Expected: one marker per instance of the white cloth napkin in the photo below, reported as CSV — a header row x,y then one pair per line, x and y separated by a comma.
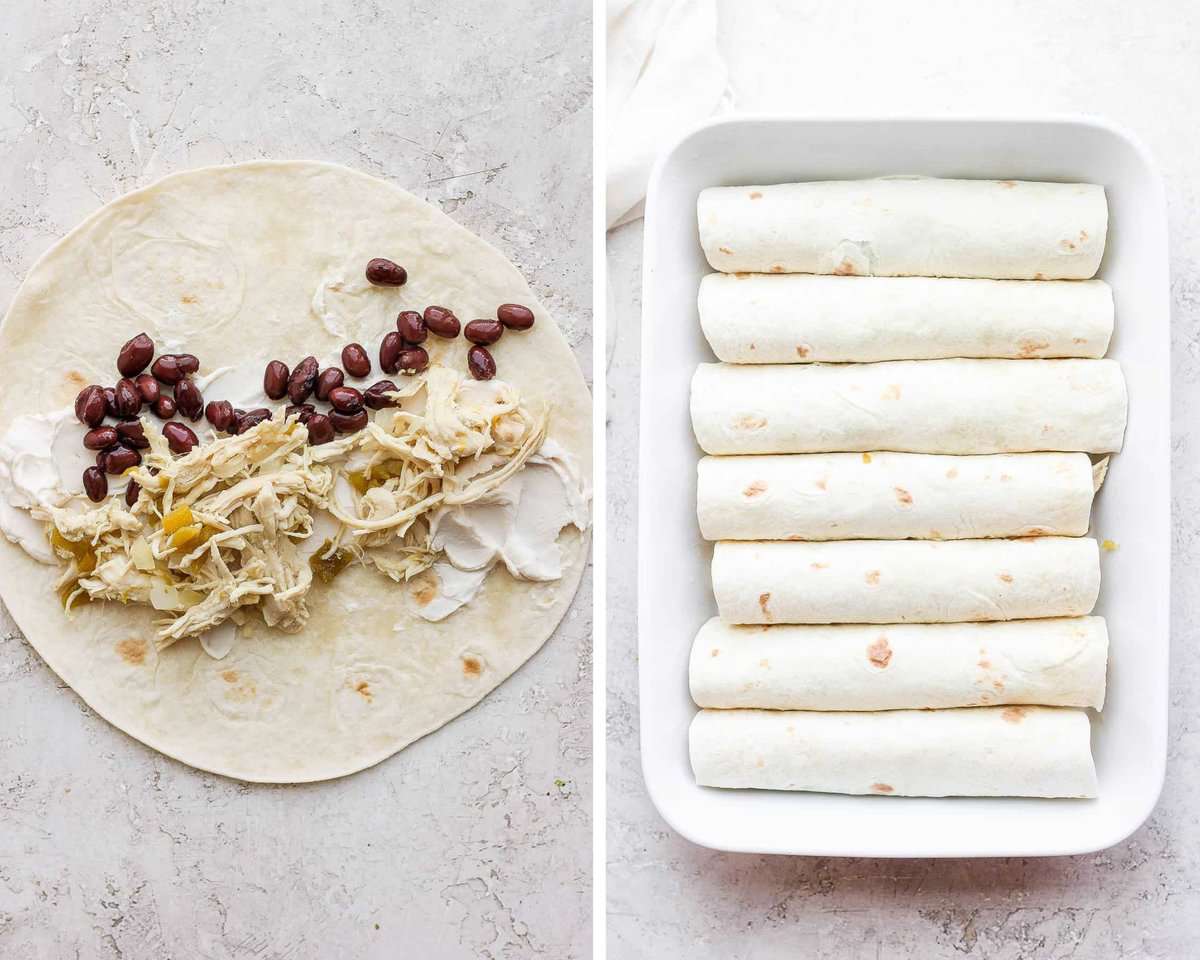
x,y
665,74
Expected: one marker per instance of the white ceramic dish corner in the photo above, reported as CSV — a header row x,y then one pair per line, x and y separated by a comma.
x,y
1133,509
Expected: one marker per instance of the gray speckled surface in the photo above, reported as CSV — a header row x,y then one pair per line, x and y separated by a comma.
x,y
1137,64
475,842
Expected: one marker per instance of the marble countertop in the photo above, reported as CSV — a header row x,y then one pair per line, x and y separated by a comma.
x,y
1136,64
474,842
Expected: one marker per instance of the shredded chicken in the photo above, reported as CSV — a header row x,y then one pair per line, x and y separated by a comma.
x,y
217,532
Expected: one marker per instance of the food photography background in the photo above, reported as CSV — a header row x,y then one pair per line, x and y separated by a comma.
x,y
475,841
1137,67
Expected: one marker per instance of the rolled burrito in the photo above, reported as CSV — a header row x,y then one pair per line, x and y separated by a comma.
x,y
895,496
1059,662
754,318
918,406
977,752
905,581
907,227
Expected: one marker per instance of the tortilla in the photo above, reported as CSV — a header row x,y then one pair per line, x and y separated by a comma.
x,y
894,496
1017,751
1058,662
907,226
918,406
258,260
905,581
802,319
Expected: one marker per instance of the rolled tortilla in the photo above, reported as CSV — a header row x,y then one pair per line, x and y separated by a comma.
x,y
754,318
907,226
895,496
919,406
1058,662
905,581
977,752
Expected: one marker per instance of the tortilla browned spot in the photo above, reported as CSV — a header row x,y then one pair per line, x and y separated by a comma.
x,y
819,566
763,598
423,590
755,195
845,269
471,667
189,298
802,350
229,676
715,652
776,268
903,495
872,577
866,458
76,380
363,689
764,663
1031,348
754,488
985,664
1007,184
132,650
891,393
879,653
749,422
882,788
1006,577
1013,714
725,250
821,484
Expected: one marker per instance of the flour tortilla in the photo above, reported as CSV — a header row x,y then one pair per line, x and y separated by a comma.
x,y
895,496
976,752
905,581
918,406
262,260
1057,662
757,318
907,226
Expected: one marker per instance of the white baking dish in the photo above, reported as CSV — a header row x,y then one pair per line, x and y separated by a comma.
x,y
1132,510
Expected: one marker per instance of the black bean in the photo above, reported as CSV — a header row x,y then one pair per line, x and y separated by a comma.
x,y
101,438
110,402
514,316
220,414
131,493
133,434
411,327
170,368
303,379
480,363
120,458
385,273
389,352
373,396
320,429
302,412
147,387
180,437
126,399
348,422
90,406
95,483
164,407
330,377
275,379
189,400
135,355
346,399
443,322
252,418
355,360
484,332
412,360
